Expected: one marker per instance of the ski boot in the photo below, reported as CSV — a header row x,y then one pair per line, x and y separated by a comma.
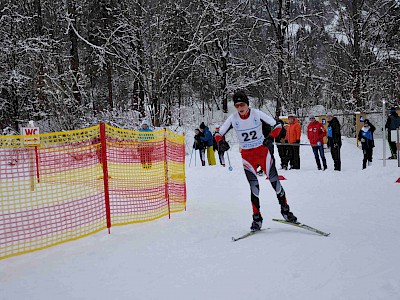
x,y
257,222
287,214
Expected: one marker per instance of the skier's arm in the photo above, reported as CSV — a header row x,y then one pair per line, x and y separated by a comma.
x,y
271,122
224,129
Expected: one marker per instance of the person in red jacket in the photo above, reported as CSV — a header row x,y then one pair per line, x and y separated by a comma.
x,y
316,132
293,133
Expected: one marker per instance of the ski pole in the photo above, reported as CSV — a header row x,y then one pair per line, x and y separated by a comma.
x,y
229,162
195,157
191,158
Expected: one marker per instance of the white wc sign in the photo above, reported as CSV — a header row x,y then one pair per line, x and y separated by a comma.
x,y
30,131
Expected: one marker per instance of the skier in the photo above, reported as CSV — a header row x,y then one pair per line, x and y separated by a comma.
x,y
256,150
316,132
366,136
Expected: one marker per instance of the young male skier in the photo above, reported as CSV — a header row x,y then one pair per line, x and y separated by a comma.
x,y
256,150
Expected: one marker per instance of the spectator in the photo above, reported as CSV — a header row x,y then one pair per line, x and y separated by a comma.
x,y
334,140
316,133
199,145
366,136
392,123
208,140
220,150
145,147
293,133
282,149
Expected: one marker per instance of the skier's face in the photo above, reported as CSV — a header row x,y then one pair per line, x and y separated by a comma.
x,y
242,108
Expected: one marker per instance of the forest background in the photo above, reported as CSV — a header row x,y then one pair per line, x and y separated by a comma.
x,y
70,64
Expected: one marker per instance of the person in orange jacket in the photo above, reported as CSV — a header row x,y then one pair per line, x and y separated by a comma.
x,y
293,133
316,133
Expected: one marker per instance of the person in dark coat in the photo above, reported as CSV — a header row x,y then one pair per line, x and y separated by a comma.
x,y
392,123
220,150
334,140
366,136
282,149
200,145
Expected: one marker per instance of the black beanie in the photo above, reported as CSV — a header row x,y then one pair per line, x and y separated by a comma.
x,y
202,125
240,96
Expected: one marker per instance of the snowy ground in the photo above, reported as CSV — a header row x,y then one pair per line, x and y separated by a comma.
x,y
191,256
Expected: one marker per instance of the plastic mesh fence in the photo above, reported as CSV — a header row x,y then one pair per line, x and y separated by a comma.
x,y
75,183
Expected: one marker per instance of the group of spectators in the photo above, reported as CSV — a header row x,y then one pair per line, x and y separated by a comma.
x,y
204,141
288,141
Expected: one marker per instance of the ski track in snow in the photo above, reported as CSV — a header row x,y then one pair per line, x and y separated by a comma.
x,y
192,256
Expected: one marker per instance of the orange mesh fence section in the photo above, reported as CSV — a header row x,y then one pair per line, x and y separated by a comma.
x,y
73,184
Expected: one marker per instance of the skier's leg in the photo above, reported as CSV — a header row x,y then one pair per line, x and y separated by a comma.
x,y
272,174
254,188
255,191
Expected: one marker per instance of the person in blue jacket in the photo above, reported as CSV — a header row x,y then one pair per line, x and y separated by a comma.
x,y
145,147
366,136
208,141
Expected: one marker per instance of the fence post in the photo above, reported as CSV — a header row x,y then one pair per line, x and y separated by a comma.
x,y
166,173
103,143
384,131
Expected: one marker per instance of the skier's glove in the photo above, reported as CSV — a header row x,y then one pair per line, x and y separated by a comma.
x,y
268,141
362,140
297,141
318,143
335,145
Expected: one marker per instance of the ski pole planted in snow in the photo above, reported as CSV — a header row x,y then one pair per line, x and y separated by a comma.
x,y
191,158
229,162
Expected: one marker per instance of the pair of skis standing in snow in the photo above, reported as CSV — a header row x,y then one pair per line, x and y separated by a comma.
x,y
257,150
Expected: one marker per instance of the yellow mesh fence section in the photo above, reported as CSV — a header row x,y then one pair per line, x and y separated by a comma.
x,y
73,184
